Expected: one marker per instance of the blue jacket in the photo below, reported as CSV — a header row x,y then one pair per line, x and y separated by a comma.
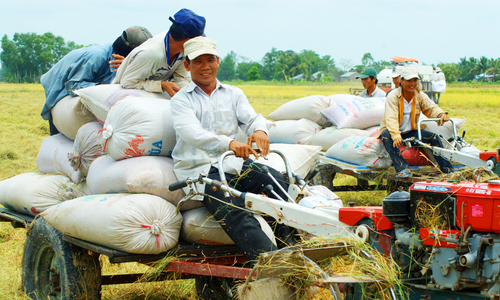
x,y
78,69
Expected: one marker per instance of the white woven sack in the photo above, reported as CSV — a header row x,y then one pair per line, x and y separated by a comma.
x,y
80,189
33,193
308,107
52,157
86,148
446,130
300,157
341,98
144,174
69,114
100,98
363,151
292,131
439,86
372,130
329,136
134,223
200,227
360,113
139,126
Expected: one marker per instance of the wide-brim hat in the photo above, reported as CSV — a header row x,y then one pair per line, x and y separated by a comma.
x,y
198,46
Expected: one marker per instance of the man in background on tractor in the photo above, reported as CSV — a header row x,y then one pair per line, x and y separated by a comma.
x,y
402,111
396,77
87,67
158,65
369,80
206,115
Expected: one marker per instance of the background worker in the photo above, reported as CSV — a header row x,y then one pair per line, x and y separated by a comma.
x,y
438,84
369,80
206,116
402,111
87,67
396,77
158,65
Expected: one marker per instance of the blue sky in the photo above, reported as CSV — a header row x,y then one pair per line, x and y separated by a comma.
x,y
430,31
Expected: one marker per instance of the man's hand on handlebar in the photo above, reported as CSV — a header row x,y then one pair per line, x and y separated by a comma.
x,y
261,140
443,118
242,150
397,142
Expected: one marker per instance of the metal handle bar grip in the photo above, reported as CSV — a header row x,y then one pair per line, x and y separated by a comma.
x,y
230,152
178,185
436,119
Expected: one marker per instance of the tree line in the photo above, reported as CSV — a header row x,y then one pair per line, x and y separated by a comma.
x,y
28,55
481,69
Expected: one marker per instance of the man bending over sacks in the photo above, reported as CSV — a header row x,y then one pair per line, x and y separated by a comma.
x,y
158,65
87,67
206,115
402,111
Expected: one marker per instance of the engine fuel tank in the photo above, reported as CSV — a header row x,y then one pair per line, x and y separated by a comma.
x,y
456,205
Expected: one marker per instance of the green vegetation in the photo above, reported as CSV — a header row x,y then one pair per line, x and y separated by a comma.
x,y
29,55
23,131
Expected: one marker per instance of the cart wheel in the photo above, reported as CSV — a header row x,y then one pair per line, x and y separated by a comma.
x,y
208,288
55,269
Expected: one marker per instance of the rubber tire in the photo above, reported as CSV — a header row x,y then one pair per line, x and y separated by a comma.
x,y
55,269
219,288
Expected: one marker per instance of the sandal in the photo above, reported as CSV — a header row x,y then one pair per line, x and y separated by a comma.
x,y
404,174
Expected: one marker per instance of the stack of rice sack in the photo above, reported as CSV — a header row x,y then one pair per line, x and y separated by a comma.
x,y
106,176
344,126
326,121
84,192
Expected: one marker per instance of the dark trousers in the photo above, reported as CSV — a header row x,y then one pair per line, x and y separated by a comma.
x,y
240,225
52,127
428,137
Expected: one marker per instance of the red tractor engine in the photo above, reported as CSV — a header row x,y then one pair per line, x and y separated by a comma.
x,y
451,231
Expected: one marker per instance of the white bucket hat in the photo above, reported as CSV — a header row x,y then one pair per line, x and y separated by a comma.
x,y
198,46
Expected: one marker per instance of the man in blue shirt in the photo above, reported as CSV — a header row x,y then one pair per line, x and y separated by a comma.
x,y
86,67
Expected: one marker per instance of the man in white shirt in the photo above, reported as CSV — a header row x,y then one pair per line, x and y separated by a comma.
x,y
158,65
369,80
438,83
206,115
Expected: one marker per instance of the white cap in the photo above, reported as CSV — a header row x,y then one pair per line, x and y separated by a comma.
x,y
409,73
438,69
396,71
198,46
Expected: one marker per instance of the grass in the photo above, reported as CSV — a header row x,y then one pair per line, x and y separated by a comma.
x,y
22,131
